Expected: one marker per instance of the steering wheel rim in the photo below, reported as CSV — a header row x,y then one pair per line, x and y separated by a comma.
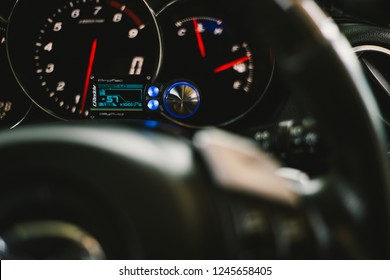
x,y
313,41
346,131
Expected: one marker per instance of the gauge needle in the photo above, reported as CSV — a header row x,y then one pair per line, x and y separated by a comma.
x,y
199,39
231,64
89,72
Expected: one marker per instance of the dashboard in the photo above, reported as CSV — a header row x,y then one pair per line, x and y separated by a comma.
x,y
189,65
188,62
192,63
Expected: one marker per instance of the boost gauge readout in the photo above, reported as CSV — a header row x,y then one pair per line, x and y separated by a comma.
x,y
72,40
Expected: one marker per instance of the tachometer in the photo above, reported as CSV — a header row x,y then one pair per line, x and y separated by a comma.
x,y
61,44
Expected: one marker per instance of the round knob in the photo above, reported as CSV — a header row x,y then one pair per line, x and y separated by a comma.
x,y
182,100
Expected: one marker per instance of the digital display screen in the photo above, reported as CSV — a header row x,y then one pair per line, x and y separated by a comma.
x,y
117,97
120,97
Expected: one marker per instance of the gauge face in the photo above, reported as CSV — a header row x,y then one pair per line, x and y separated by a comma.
x,y
73,40
14,105
211,53
207,45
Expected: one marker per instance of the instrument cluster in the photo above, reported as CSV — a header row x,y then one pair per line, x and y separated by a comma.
x,y
191,62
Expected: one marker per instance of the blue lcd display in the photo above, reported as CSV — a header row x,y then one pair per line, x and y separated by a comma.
x,y
117,97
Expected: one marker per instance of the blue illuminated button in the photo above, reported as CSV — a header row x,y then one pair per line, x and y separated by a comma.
x,y
153,91
153,104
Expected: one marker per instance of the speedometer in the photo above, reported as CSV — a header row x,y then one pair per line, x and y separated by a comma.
x,y
65,42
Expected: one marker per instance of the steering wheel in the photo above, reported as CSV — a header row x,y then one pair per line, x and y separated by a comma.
x,y
82,190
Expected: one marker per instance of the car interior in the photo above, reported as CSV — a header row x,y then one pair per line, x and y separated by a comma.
x,y
194,129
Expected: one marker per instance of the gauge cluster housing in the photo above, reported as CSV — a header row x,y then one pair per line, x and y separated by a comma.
x,y
195,42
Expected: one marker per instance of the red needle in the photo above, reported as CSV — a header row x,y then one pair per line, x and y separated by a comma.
x,y
89,71
231,64
199,39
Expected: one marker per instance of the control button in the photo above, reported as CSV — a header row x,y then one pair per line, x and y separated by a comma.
x,y
182,100
153,104
153,91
